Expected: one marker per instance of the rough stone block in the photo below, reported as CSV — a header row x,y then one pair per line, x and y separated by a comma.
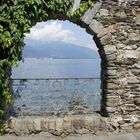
x,y
59,124
110,72
82,131
45,134
121,14
123,81
52,124
88,122
96,121
78,122
110,49
113,86
120,46
104,12
111,57
90,13
67,122
133,80
106,39
134,36
137,19
111,109
137,101
27,125
21,125
37,124
44,123
112,102
130,54
96,26
109,29
137,66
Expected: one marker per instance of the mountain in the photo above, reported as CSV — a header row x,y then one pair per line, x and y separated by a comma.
x,y
59,50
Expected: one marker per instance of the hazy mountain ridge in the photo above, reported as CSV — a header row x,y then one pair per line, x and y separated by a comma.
x,y
59,50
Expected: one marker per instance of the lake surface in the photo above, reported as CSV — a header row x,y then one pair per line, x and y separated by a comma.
x,y
57,68
34,96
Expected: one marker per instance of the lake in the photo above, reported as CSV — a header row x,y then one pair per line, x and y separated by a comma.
x,y
57,68
56,85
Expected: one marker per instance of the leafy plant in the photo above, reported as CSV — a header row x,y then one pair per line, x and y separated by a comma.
x,y
16,18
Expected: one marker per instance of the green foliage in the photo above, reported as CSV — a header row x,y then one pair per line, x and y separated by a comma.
x,y
16,18
59,6
81,10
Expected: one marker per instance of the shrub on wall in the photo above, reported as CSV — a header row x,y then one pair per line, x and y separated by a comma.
x,y
16,18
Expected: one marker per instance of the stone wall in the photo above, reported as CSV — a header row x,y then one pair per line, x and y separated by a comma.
x,y
115,26
75,124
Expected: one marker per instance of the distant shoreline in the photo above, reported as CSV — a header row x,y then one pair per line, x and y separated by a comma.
x,y
58,58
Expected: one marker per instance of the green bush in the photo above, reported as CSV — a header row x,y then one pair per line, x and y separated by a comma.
x,y
16,18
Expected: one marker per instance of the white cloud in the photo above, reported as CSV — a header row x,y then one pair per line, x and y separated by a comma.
x,y
50,32
54,31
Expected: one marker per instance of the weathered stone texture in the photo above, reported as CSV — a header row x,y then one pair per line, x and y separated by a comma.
x,y
115,25
80,124
91,13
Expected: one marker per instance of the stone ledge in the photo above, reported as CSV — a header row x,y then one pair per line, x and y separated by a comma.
x,y
75,124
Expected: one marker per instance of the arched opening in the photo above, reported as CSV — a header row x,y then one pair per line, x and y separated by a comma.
x,y
60,72
115,30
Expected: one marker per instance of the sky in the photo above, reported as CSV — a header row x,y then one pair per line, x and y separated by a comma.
x,y
61,31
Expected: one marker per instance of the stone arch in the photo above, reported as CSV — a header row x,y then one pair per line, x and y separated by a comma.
x,y
108,23
92,30
115,29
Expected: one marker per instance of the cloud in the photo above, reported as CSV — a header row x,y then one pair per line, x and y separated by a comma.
x,y
53,31
44,32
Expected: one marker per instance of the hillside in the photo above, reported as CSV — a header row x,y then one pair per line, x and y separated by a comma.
x,y
60,50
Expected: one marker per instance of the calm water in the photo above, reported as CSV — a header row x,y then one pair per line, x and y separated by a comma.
x,y
40,96
57,68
